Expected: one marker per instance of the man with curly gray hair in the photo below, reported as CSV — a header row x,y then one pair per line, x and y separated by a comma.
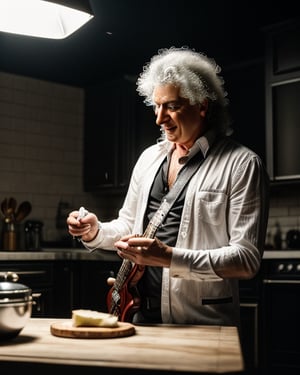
x,y
212,233
195,74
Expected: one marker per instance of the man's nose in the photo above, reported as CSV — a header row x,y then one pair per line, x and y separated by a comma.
x,y
161,116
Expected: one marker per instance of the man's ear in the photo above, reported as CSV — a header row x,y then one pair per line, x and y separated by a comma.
x,y
204,108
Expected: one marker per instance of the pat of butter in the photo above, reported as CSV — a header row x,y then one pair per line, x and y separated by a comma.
x,y
91,318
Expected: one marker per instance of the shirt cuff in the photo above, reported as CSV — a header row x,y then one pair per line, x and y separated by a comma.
x,y
96,242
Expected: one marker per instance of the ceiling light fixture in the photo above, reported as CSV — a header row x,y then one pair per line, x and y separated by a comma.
x,y
44,19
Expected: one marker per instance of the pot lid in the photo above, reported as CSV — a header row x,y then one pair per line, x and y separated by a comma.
x,y
12,291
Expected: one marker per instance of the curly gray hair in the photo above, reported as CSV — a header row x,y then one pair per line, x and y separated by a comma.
x,y
195,74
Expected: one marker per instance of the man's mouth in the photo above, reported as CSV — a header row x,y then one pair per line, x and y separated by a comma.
x,y
170,129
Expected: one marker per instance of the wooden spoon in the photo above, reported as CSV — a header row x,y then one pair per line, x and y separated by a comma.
x,y
8,208
12,204
4,206
23,210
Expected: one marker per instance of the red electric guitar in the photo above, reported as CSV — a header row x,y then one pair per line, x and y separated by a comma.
x,y
123,299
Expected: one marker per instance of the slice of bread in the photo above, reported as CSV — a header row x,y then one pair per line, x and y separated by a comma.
x,y
91,318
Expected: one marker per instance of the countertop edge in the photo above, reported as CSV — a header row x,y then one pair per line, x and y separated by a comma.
x,y
60,254
107,255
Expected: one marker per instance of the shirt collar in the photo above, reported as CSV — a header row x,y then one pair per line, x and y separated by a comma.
x,y
203,144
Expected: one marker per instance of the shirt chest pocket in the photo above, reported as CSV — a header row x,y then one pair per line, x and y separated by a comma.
x,y
212,207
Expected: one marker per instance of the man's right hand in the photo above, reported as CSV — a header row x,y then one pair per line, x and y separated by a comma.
x,y
86,228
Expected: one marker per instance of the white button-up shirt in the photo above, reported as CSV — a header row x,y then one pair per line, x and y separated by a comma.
x,y
221,235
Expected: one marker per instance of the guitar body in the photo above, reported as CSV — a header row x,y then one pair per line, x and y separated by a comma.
x,y
129,301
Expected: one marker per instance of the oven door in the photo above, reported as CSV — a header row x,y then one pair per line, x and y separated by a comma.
x,y
281,326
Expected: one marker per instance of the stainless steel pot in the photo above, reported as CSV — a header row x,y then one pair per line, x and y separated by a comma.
x,y
15,305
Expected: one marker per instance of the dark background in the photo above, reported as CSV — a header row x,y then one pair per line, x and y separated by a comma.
x,y
124,34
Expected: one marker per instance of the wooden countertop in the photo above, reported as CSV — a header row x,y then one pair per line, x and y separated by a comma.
x,y
152,349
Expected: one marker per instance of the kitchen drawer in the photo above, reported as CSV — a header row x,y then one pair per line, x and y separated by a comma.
x,y
31,273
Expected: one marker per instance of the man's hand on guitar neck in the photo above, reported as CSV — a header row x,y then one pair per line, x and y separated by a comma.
x,y
144,251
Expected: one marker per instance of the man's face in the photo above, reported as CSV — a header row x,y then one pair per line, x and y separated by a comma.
x,y
183,123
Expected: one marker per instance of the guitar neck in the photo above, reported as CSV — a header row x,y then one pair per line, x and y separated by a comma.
x,y
122,275
150,230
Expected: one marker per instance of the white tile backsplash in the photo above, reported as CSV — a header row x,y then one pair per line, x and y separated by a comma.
x,y
41,147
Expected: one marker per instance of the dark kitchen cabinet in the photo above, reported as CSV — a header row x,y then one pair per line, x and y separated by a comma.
x,y
92,286
65,287
280,316
250,311
60,286
245,83
117,127
39,276
108,141
282,101
249,335
282,51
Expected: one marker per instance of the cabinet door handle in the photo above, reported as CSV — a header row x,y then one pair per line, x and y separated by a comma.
x,y
31,272
268,281
36,295
36,301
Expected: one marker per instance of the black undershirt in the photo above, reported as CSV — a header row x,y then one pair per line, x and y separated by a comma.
x,y
150,284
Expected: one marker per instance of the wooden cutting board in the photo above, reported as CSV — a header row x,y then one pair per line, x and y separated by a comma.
x,y
66,329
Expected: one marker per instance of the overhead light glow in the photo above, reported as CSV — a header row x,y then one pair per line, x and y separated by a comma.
x,y
40,18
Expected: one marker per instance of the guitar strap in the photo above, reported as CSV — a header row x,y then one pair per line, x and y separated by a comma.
x,y
183,177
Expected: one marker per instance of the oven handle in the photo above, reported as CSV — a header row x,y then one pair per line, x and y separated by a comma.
x,y
272,281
